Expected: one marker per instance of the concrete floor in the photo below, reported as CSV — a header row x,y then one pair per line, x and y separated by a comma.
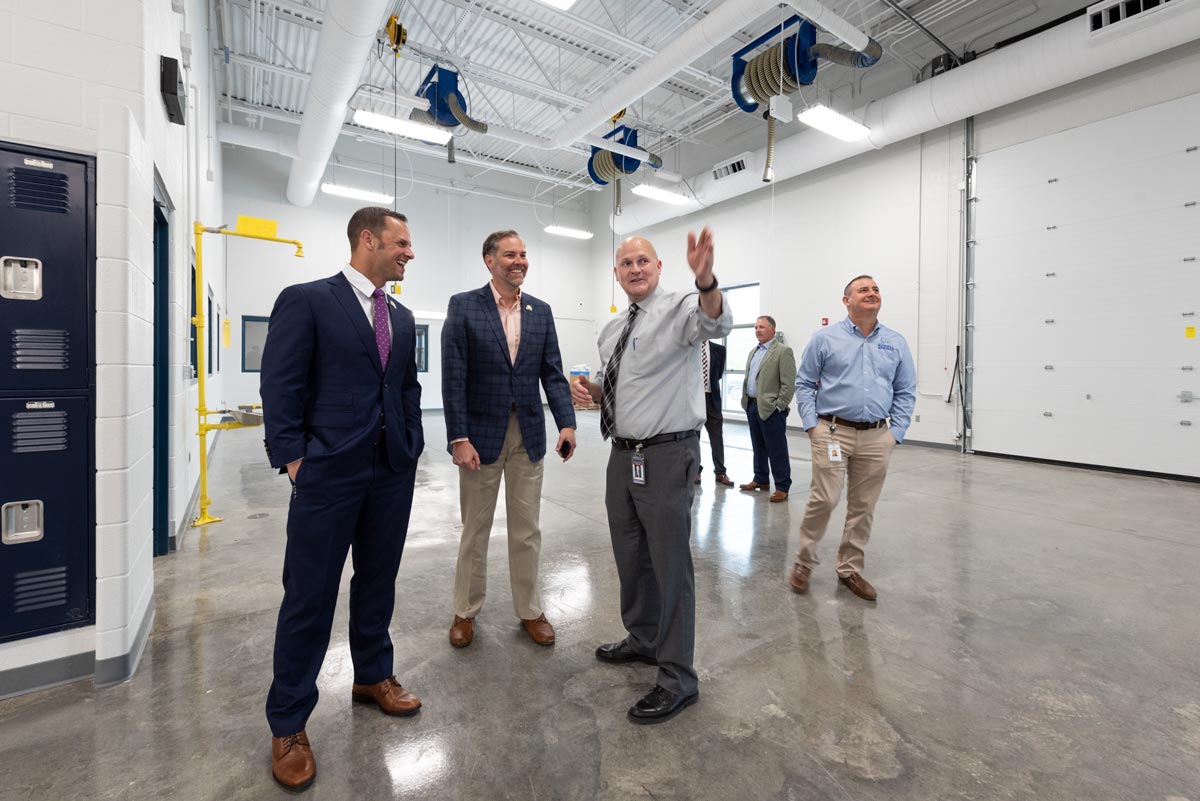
x,y
1036,637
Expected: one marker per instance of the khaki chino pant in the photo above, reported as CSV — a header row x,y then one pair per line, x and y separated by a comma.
x,y
865,457
478,491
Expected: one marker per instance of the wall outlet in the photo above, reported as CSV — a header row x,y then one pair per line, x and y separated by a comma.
x,y
917,419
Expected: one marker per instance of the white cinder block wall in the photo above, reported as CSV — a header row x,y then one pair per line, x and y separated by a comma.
x,y
892,213
83,77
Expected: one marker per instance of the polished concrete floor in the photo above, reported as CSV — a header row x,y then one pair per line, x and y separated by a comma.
x,y
1036,637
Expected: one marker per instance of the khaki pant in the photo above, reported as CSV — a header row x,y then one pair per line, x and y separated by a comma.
x,y
865,457
477,491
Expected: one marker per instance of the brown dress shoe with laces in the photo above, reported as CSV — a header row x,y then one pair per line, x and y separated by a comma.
x,y
859,586
723,480
389,696
462,631
753,486
778,496
799,578
539,630
292,762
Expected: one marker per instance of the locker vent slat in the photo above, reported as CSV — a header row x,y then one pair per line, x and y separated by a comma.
x,y
38,190
41,349
38,432
40,589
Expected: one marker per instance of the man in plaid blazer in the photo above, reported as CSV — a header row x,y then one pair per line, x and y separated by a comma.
x,y
498,345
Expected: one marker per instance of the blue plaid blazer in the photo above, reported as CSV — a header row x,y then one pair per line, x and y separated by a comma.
x,y
480,384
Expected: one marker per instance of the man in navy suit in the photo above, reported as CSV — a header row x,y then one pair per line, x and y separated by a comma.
x,y
342,409
498,344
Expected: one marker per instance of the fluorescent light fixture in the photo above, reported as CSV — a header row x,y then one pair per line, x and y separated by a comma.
x,y
574,233
662,195
561,5
392,125
356,193
828,121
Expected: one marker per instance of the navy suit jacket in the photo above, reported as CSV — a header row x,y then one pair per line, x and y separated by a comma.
x,y
716,367
325,393
480,384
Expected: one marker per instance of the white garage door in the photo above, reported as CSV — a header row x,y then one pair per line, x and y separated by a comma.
x,y
1088,294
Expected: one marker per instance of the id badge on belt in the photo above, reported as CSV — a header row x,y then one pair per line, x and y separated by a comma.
x,y
638,464
835,447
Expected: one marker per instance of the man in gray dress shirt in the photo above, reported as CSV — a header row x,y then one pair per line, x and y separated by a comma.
x,y
652,407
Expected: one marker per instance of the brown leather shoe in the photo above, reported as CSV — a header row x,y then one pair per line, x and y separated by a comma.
x,y
462,631
859,586
753,486
389,696
799,578
778,496
292,762
539,630
723,480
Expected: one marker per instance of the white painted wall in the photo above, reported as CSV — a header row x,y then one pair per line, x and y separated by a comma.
x,y
83,77
448,230
895,214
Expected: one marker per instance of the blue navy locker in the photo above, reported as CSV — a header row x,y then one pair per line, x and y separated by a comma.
x,y
45,565
47,391
45,314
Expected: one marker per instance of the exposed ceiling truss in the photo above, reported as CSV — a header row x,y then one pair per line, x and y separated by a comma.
x,y
528,67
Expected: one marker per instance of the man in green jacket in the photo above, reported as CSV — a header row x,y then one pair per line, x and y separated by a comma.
x,y
766,393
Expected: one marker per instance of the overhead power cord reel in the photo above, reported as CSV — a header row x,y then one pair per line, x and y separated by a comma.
x,y
396,34
783,68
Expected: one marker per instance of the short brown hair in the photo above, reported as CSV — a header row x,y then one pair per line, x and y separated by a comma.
x,y
492,243
370,218
846,291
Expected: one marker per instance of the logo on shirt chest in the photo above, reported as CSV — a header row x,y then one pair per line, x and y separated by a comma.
x,y
885,345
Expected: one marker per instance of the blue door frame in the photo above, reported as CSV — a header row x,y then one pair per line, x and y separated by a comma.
x,y
162,379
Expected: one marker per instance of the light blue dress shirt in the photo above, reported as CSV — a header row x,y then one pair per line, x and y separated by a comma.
x,y
859,378
755,363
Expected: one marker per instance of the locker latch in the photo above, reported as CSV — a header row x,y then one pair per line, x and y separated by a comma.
x,y
22,522
20,278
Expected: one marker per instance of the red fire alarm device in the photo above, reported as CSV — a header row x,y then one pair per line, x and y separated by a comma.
x,y
824,321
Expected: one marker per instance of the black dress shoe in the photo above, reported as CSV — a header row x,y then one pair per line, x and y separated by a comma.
x,y
659,705
621,652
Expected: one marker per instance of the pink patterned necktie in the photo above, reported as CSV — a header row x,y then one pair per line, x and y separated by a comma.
x,y
383,335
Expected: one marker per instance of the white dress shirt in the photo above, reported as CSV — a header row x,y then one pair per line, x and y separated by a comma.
x,y
364,290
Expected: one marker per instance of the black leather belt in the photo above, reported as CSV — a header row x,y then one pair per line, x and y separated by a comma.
x,y
855,424
661,439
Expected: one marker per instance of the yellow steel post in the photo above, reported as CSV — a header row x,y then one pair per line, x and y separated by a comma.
x,y
202,410
201,369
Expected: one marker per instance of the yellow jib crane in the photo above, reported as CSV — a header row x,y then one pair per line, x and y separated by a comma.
x,y
249,228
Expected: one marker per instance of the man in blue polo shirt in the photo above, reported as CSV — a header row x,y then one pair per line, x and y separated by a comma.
x,y
856,387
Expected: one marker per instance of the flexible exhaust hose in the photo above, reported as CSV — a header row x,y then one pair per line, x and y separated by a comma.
x,y
766,75
846,56
769,169
463,118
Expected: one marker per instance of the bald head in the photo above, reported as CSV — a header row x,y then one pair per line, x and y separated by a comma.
x,y
637,242
638,268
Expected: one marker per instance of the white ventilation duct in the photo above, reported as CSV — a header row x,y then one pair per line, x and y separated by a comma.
x,y
255,139
1057,57
693,43
347,33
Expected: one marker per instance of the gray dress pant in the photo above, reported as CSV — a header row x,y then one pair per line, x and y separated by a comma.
x,y
651,529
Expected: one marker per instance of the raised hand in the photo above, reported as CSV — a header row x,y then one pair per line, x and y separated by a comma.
x,y
700,255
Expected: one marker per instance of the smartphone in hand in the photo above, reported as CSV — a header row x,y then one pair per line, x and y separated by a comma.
x,y
565,450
